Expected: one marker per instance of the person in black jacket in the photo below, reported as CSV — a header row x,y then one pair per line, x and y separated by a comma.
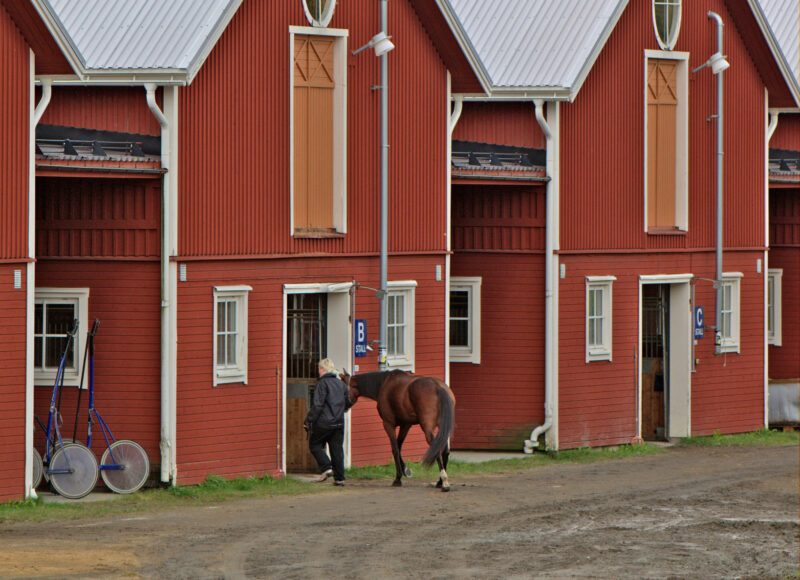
x,y
325,422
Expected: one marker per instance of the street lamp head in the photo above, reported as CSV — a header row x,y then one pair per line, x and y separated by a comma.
x,y
718,63
382,44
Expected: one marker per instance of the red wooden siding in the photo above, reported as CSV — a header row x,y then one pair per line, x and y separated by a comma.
x,y
602,141
498,218
98,218
14,128
121,109
234,134
784,361
235,430
597,401
500,124
787,135
49,58
502,399
12,385
125,296
498,230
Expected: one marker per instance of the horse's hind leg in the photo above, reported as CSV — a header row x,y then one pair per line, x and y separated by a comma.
x,y
390,431
441,461
401,437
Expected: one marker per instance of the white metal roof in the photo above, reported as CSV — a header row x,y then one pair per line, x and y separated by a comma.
x,y
539,46
784,20
160,37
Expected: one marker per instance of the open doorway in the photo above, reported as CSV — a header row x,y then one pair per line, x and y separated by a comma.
x,y
655,361
665,339
306,345
317,326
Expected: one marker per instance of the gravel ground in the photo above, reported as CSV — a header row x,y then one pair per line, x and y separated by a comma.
x,y
689,512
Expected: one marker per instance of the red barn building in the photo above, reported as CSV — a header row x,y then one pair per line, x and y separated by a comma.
x,y
214,218
589,283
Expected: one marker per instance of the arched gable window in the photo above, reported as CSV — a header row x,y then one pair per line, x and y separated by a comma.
x,y
667,22
319,12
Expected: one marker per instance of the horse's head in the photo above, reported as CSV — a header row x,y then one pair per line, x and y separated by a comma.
x,y
352,386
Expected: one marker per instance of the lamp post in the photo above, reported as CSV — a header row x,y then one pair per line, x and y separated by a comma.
x,y
718,64
382,45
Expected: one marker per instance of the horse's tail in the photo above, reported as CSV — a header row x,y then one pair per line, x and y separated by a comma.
x,y
447,419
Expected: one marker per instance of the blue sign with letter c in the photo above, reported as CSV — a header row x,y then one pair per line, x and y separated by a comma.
x,y
699,321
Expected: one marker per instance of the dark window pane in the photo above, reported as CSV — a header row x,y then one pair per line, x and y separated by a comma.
x,y
60,318
459,333
38,319
220,350
459,304
37,352
231,315
232,349
54,348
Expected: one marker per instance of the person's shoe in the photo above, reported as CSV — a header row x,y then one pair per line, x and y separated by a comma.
x,y
339,482
325,475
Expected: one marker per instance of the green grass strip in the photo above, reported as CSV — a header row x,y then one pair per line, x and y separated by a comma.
x,y
764,437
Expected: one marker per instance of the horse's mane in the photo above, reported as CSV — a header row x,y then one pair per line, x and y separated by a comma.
x,y
369,384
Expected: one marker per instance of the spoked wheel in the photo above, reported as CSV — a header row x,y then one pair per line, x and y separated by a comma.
x,y
81,465
135,466
55,447
38,470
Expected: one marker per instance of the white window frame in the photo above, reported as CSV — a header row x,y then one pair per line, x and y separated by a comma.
x,y
733,342
603,351
775,335
406,288
339,123
681,139
238,374
326,15
472,352
81,298
668,43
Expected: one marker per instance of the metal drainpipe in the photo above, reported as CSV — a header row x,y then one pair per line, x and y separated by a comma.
x,y
720,155
166,401
30,286
384,273
533,442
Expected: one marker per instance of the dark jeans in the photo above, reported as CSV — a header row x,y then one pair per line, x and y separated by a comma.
x,y
334,438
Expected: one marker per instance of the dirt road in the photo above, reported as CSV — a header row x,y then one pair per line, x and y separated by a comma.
x,y
690,512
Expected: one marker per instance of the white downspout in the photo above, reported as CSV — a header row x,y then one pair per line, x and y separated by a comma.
x,y
453,118
166,444
549,371
771,127
36,115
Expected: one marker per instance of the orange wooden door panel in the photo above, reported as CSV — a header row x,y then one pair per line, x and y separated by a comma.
x,y
662,117
314,85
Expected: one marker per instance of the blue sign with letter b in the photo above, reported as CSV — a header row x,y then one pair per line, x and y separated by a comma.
x,y
360,336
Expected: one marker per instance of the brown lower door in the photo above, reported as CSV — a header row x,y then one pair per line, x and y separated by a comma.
x,y
306,345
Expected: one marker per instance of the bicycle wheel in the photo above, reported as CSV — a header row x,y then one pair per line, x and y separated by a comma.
x,y
82,475
135,466
65,441
38,470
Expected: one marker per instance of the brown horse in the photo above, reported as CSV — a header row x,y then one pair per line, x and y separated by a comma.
x,y
405,399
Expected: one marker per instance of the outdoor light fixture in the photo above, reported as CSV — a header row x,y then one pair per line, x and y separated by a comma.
x,y
717,62
381,43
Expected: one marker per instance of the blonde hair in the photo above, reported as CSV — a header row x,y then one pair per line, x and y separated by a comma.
x,y
327,365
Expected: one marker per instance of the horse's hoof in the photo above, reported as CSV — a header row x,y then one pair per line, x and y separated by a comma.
x,y
397,483
407,472
439,483
445,488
